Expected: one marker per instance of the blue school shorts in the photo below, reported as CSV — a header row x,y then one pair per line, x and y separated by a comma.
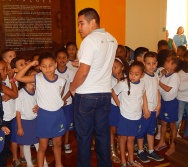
x,y
29,128
51,124
68,110
114,115
128,127
169,110
148,126
13,131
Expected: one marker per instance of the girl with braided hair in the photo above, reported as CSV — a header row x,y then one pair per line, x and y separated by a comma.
x,y
130,95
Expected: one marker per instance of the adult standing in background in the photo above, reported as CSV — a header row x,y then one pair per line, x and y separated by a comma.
x,y
92,84
180,38
171,44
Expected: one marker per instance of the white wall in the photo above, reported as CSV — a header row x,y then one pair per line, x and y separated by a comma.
x,y
145,23
177,15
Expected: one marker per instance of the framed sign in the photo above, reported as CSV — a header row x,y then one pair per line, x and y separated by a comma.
x,y
33,26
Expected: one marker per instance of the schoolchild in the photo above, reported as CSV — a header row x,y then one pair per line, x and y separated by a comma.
x,y
139,53
64,72
119,71
26,119
132,97
161,45
121,52
8,55
72,50
169,85
181,51
51,122
17,64
183,94
151,81
8,94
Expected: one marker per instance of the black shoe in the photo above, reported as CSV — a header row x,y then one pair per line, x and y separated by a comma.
x,y
143,157
155,156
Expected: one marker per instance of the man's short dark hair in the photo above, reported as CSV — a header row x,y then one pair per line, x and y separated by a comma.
x,y
90,14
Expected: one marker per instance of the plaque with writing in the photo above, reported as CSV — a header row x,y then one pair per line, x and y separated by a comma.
x,y
30,26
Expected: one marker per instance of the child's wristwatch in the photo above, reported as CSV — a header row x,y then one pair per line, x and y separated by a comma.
x,y
12,80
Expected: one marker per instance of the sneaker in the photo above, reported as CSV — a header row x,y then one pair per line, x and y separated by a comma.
x,y
158,136
135,149
67,148
50,142
16,163
155,156
143,157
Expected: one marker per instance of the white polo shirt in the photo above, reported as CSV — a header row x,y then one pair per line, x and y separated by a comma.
x,y
98,51
25,103
130,105
152,87
172,81
8,106
183,88
49,92
68,75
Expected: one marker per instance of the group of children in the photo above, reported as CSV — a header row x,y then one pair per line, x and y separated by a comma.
x,y
34,92
147,93
144,90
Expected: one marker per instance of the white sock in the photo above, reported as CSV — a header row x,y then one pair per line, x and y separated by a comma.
x,y
37,147
27,154
139,151
150,151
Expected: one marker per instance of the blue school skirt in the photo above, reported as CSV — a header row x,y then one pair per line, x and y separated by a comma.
x,y
29,128
114,115
13,130
169,110
68,110
51,124
128,127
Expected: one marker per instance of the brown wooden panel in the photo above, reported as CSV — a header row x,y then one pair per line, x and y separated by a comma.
x,y
68,21
35,26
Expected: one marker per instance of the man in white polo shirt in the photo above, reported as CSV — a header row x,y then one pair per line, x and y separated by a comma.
x,y
92,84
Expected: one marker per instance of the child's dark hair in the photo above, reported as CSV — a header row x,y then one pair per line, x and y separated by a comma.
x,y
14,60
125,65
150,54
183,48
138,64
162,43
185,66
21,84
178,62
162,57
4,52
139,52
46,55
35,55
185,56
71,43
61,51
